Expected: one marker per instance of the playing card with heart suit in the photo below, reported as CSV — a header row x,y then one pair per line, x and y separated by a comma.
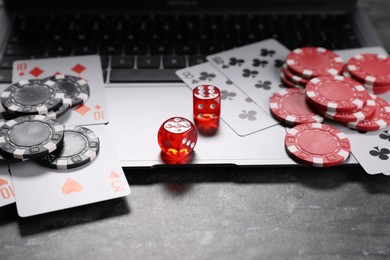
x,y
88,67
7,195
254,68
39,189
237,109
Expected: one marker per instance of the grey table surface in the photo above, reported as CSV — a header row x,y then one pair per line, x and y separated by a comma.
x,y
221,213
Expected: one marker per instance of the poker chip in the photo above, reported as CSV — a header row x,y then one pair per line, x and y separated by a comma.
x,y
81,146
310,62
58,112
319,145
288,83
33,96
30,136
292,77
364,113
75,88
379,120
289,106
336,93
372,69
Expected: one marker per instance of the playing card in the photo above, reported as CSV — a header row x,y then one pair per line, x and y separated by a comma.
x,y
94,111
39,189
7,195
371,149
237,109
254,68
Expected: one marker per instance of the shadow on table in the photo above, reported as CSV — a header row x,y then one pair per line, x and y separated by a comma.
x,y
64,218
315,178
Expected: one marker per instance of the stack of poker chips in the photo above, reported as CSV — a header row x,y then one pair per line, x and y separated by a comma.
x,y
28,126
371,70
315,91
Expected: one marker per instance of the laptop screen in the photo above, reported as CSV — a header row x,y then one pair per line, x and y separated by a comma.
x,y
40,4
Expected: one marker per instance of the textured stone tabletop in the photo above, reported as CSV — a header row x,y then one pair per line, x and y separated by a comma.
x,y
221,213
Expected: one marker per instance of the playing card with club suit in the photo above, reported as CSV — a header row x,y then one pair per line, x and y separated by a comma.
x,y
237,109
39,189
371,149
94,111
7,195
254,68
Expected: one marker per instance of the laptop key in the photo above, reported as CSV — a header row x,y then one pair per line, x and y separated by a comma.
x,y
174,62
147,62
85,49
136,49
183,48
60,49
111,49
193,60
122,62
143,75
5,76
161,49
6,62
24,49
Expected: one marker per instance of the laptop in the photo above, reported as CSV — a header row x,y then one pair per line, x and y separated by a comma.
x,y
143,43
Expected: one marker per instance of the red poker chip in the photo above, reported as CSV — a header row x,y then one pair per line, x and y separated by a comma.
x,y
292,77
288,83
310,62
289,106
366,112
372,69
379,120
346,73
336,93
319,145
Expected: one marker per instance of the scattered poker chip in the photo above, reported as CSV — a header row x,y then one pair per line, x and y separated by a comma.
x,y
292,77
377,90
81,146
58,112
289,106
364,113
310,62
34,96
75,88
319,145
30,136
336,93
372,69
379,120
345,72
288,83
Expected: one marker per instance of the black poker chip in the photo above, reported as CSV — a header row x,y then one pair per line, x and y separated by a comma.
x,y
81,146
30,136
76,89
59,111
34,96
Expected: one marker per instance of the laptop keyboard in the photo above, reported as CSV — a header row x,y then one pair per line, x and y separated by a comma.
x,y
150,48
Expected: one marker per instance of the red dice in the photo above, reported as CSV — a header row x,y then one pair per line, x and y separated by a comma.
x,y
207,108
177,137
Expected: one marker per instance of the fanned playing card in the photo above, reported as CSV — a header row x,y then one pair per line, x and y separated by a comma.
x,y
94,111
39,189
371,149
254,68
237,109
7,195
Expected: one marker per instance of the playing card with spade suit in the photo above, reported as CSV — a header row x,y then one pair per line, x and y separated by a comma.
x,y
39,189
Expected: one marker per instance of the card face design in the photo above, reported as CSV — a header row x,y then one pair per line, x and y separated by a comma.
x,y
371,150
39,189
254,68
237,109
87,67
7,195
